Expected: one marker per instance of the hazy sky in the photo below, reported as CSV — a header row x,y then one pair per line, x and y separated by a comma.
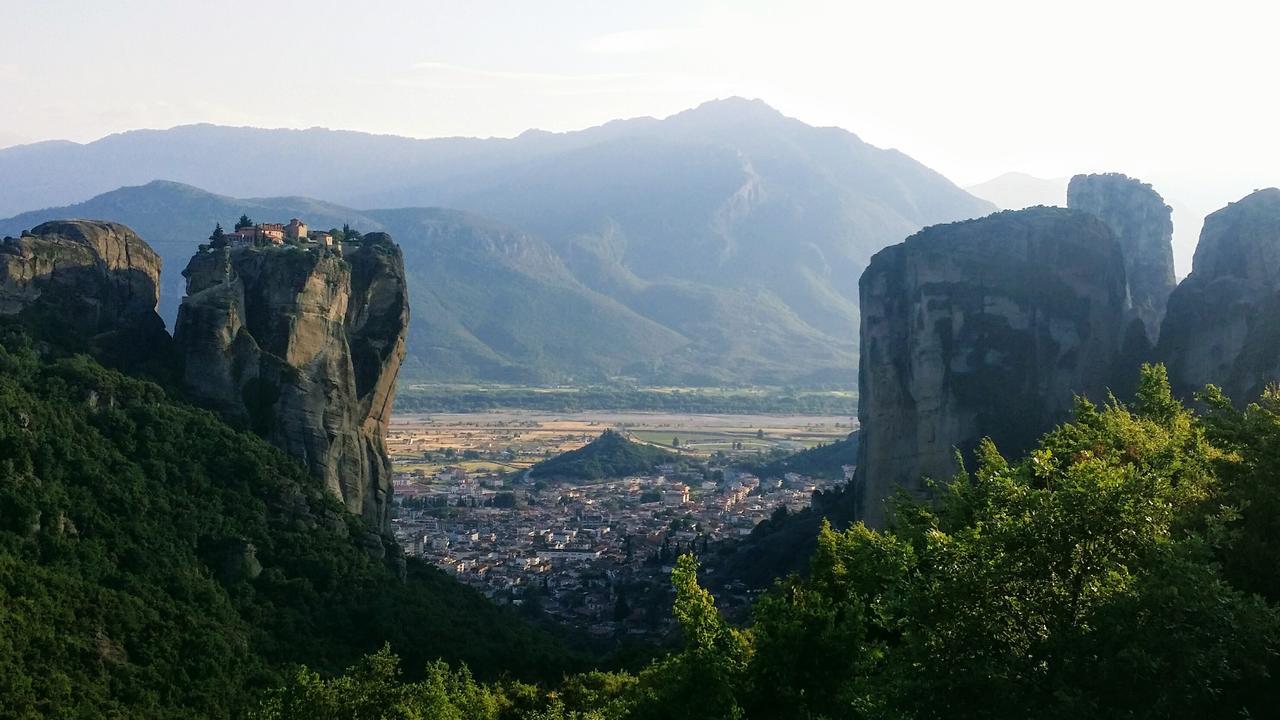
x,y
1180,94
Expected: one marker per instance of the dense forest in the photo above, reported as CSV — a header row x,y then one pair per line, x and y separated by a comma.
x,y
1124,568
155,562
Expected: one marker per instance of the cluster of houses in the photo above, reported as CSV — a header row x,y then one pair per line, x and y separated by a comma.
x,y
278,234
576,546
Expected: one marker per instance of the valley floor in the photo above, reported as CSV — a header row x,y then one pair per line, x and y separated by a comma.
x,y
481,397
516,439
591,554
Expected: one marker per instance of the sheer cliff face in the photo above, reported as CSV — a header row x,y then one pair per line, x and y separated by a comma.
x,y
981,328
1143,225
1221,325
96,277
304,346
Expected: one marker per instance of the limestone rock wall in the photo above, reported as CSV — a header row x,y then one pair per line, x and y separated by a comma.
x,y
304,346
980,328
1143,225
1223,320
96,277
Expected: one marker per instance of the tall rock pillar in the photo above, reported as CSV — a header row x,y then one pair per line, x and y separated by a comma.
x,y
303,346
983,328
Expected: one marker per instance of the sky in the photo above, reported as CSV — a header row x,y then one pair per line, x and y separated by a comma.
x,y
1181,94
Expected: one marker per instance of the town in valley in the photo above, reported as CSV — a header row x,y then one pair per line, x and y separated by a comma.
x,y
594,554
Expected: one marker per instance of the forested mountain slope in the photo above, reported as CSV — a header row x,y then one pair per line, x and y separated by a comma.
x,y
156,562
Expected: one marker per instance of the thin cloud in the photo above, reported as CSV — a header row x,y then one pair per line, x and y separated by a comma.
x,y
646,40
520,76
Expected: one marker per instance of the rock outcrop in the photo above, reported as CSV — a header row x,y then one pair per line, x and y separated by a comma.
x,y
1223,320
980,328
1143,225
96,278
303,346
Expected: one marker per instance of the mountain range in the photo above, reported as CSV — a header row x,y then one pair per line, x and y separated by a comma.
x,y
721,245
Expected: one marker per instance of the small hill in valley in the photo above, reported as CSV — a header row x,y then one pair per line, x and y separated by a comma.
x,y
610,455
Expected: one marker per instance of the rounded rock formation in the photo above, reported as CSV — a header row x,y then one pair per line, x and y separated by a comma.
x,y
91,285
96,276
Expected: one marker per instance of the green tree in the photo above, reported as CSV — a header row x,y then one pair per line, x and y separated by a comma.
x,y
1245,527
244,222
821,644
218,238
703,679
1076,582
373,690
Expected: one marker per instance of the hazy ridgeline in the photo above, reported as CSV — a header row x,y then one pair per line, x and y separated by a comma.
x,y
721,245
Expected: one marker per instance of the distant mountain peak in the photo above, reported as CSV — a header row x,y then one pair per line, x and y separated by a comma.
x,y
732,109
1017,190
535,133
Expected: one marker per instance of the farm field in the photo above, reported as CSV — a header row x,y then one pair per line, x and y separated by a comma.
x,y
510,440
479,398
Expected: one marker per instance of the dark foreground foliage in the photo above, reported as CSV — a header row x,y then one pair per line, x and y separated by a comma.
x,y
1124,569
156,563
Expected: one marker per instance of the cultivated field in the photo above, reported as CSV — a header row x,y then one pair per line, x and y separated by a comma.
x,y
507,440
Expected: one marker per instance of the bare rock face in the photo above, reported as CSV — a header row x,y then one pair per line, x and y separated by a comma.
x,y
1143,225
1223,322
980,328
304,347
97,278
